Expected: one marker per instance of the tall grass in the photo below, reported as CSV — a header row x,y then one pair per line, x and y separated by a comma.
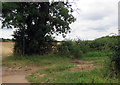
x,y
91,76
35,60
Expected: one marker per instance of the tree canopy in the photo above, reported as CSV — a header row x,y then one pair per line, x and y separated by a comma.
x,y
36,23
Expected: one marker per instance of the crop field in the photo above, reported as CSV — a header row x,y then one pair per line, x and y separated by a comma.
x,y
7,48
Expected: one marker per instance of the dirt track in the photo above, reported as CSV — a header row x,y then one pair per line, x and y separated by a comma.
x,y
9,76
17,75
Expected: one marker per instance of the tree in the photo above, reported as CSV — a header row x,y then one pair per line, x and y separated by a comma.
x,y
36,23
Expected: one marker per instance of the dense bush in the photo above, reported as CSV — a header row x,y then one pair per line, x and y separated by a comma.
x,y
78,48
103,44
115,59
83,45
72,49
63,48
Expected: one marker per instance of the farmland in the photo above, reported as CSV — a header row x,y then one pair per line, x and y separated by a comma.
x,y
7,48
90,66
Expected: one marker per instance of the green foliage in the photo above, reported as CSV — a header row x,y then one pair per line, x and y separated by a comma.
x,y
78,48
83,45
111,45
115,58
69,49
37,22
105,43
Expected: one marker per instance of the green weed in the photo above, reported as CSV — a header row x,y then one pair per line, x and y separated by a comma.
x,y
91,76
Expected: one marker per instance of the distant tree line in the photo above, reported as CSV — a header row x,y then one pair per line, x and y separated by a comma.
x,y
6,40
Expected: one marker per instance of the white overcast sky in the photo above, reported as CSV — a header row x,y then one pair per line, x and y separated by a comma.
x,y
96,18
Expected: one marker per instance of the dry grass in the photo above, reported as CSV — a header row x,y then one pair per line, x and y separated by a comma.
x,y
7,48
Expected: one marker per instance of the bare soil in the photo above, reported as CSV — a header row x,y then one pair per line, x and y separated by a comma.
x,y
16,75
82,65
81,62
